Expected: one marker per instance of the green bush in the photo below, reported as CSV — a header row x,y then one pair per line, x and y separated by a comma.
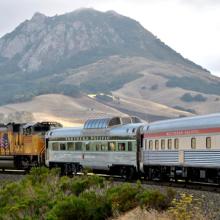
x,y
152,200
43,194
88,206
70,208
122,197
80,184
100,207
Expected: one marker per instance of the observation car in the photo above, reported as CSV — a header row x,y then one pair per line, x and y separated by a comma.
x,y
108,144
186,148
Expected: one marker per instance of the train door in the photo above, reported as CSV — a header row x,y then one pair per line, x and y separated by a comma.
x,y
139,156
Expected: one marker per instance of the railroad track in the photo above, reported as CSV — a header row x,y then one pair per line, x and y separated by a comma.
x,y
14,172
209,187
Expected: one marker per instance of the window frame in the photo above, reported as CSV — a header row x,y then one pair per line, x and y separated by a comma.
x,y
176,143
120,147
62,144
156,144
210,141
113,147
150,144
162,144
193,143
76,147
169,144
70,149
57,147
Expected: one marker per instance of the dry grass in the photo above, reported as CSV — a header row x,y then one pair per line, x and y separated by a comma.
x,y
142,214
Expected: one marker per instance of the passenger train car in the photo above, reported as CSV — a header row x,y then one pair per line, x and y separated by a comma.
x,y
186,148
109,144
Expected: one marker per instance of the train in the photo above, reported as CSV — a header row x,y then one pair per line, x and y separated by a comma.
x,y
185,149
176,149
22,145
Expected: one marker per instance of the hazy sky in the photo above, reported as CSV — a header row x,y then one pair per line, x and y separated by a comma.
x,y
191,27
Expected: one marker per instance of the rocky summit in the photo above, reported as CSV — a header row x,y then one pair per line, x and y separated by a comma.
x,y
88,51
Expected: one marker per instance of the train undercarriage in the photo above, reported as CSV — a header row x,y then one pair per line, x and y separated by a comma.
x,y
20,162
125,171
178,173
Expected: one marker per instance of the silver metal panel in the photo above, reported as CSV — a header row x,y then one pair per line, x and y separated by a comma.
x,y
64,132
160,157
122,130
204,121
125,130
203,158
102,160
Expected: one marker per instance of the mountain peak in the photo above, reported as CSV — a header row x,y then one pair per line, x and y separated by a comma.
x,y
38,15
82,10
112,12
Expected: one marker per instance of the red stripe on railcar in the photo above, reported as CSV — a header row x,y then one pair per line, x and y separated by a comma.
x,y
183,132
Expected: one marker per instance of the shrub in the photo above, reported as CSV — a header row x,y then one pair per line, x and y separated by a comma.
x,y
100,207
122,197
42,174
153,200
185,208
188,97
80,184
88,206
43,194
70,208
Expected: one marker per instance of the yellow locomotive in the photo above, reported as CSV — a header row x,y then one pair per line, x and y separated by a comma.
x,y
22,145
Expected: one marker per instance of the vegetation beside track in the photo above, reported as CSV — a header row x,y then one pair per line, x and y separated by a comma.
x,y
43,194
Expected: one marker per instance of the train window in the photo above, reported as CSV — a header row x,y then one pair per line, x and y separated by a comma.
x,y
193,143
121,146
176,143
162,144
129,146
62,146
87,146
150,145
169,144
98,147
78,146
70,146
156,144
55,146
208,142
111,146
145,144
103,147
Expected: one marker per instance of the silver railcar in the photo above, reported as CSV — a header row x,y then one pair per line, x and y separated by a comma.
x,y
187,148
108,144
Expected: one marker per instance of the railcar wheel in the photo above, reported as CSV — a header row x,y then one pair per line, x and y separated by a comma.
x,y
123,173
131,173
128,173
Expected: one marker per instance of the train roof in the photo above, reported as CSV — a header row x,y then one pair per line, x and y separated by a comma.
x,y
115,126
196,122
64,132
101,123
122,130
125,130
44,123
